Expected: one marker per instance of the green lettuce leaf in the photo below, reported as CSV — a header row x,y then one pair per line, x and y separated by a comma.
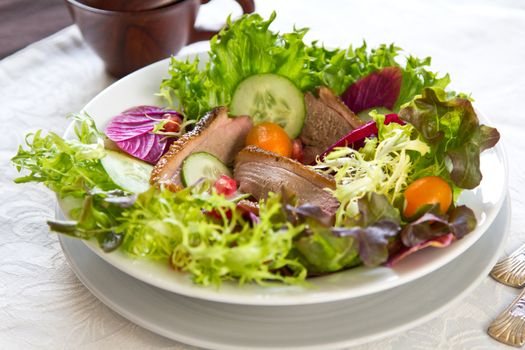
x,y
213,248
247,47
339,68
72,169
98,217
321,251
452,129
243,48
68,167
416,77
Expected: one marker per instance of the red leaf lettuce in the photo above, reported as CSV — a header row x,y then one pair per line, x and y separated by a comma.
x,y
451,128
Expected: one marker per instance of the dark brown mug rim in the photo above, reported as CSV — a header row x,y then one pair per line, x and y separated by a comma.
x,y
123,13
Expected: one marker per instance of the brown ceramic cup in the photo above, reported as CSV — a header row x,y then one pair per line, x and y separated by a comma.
x,y
127,5
129,40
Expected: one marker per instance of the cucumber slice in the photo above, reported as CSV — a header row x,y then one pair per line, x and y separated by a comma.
x,y
128,173
271,97
202,165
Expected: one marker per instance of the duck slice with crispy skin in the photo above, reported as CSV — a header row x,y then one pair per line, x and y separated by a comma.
x,y
327,120
331,100
259,172
215,133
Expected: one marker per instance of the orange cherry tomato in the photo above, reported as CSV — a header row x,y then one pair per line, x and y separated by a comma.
x,y
427,190
271,137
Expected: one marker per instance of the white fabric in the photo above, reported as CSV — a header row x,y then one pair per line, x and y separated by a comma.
x,y
42,304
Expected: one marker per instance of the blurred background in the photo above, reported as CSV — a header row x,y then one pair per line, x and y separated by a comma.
x,y
25,21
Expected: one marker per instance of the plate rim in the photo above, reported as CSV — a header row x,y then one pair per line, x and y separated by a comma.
x,y
339,344
206,293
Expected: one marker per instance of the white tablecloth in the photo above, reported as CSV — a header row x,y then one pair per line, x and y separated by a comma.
x,y
42,304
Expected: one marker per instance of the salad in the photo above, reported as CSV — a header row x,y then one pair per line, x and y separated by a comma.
x,y
277,160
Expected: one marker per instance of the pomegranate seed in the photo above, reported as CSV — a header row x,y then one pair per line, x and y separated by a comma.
x,y
225,185
214,213
174,122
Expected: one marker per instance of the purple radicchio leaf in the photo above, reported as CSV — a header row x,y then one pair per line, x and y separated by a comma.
x,y
372,240
462,221
356,138
378,89
438,242
307,210
430,225
132,132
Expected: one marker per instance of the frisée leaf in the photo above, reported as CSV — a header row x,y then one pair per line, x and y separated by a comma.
x,y
382,165
213,248
67,167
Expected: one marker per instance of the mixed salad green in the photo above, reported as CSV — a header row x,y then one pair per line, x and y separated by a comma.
x,y
415,130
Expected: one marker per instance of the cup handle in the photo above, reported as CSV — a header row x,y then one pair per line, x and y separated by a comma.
x,y
200,34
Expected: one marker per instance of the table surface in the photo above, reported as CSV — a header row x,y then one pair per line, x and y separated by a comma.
x,y
43,305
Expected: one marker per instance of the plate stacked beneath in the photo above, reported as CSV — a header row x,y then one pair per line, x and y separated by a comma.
x,y
341,309
326,325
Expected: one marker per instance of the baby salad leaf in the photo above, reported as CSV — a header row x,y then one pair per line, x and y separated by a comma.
x,y
356,138
189,88
452,129
308,211
247,47
416,77
460,221
67,167
339,68
378,89
383,166
377,221
243,48
213,248
376,79
438,242
98,218
321,251
133,131
72,168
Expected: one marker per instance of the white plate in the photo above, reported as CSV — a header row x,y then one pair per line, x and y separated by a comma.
x,y
321,326
140,88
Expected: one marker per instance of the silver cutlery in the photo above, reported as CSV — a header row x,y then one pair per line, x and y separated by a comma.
x,y
509,326
511,270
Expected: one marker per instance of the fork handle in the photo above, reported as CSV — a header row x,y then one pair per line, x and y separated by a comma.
x,y
509,326
511,270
